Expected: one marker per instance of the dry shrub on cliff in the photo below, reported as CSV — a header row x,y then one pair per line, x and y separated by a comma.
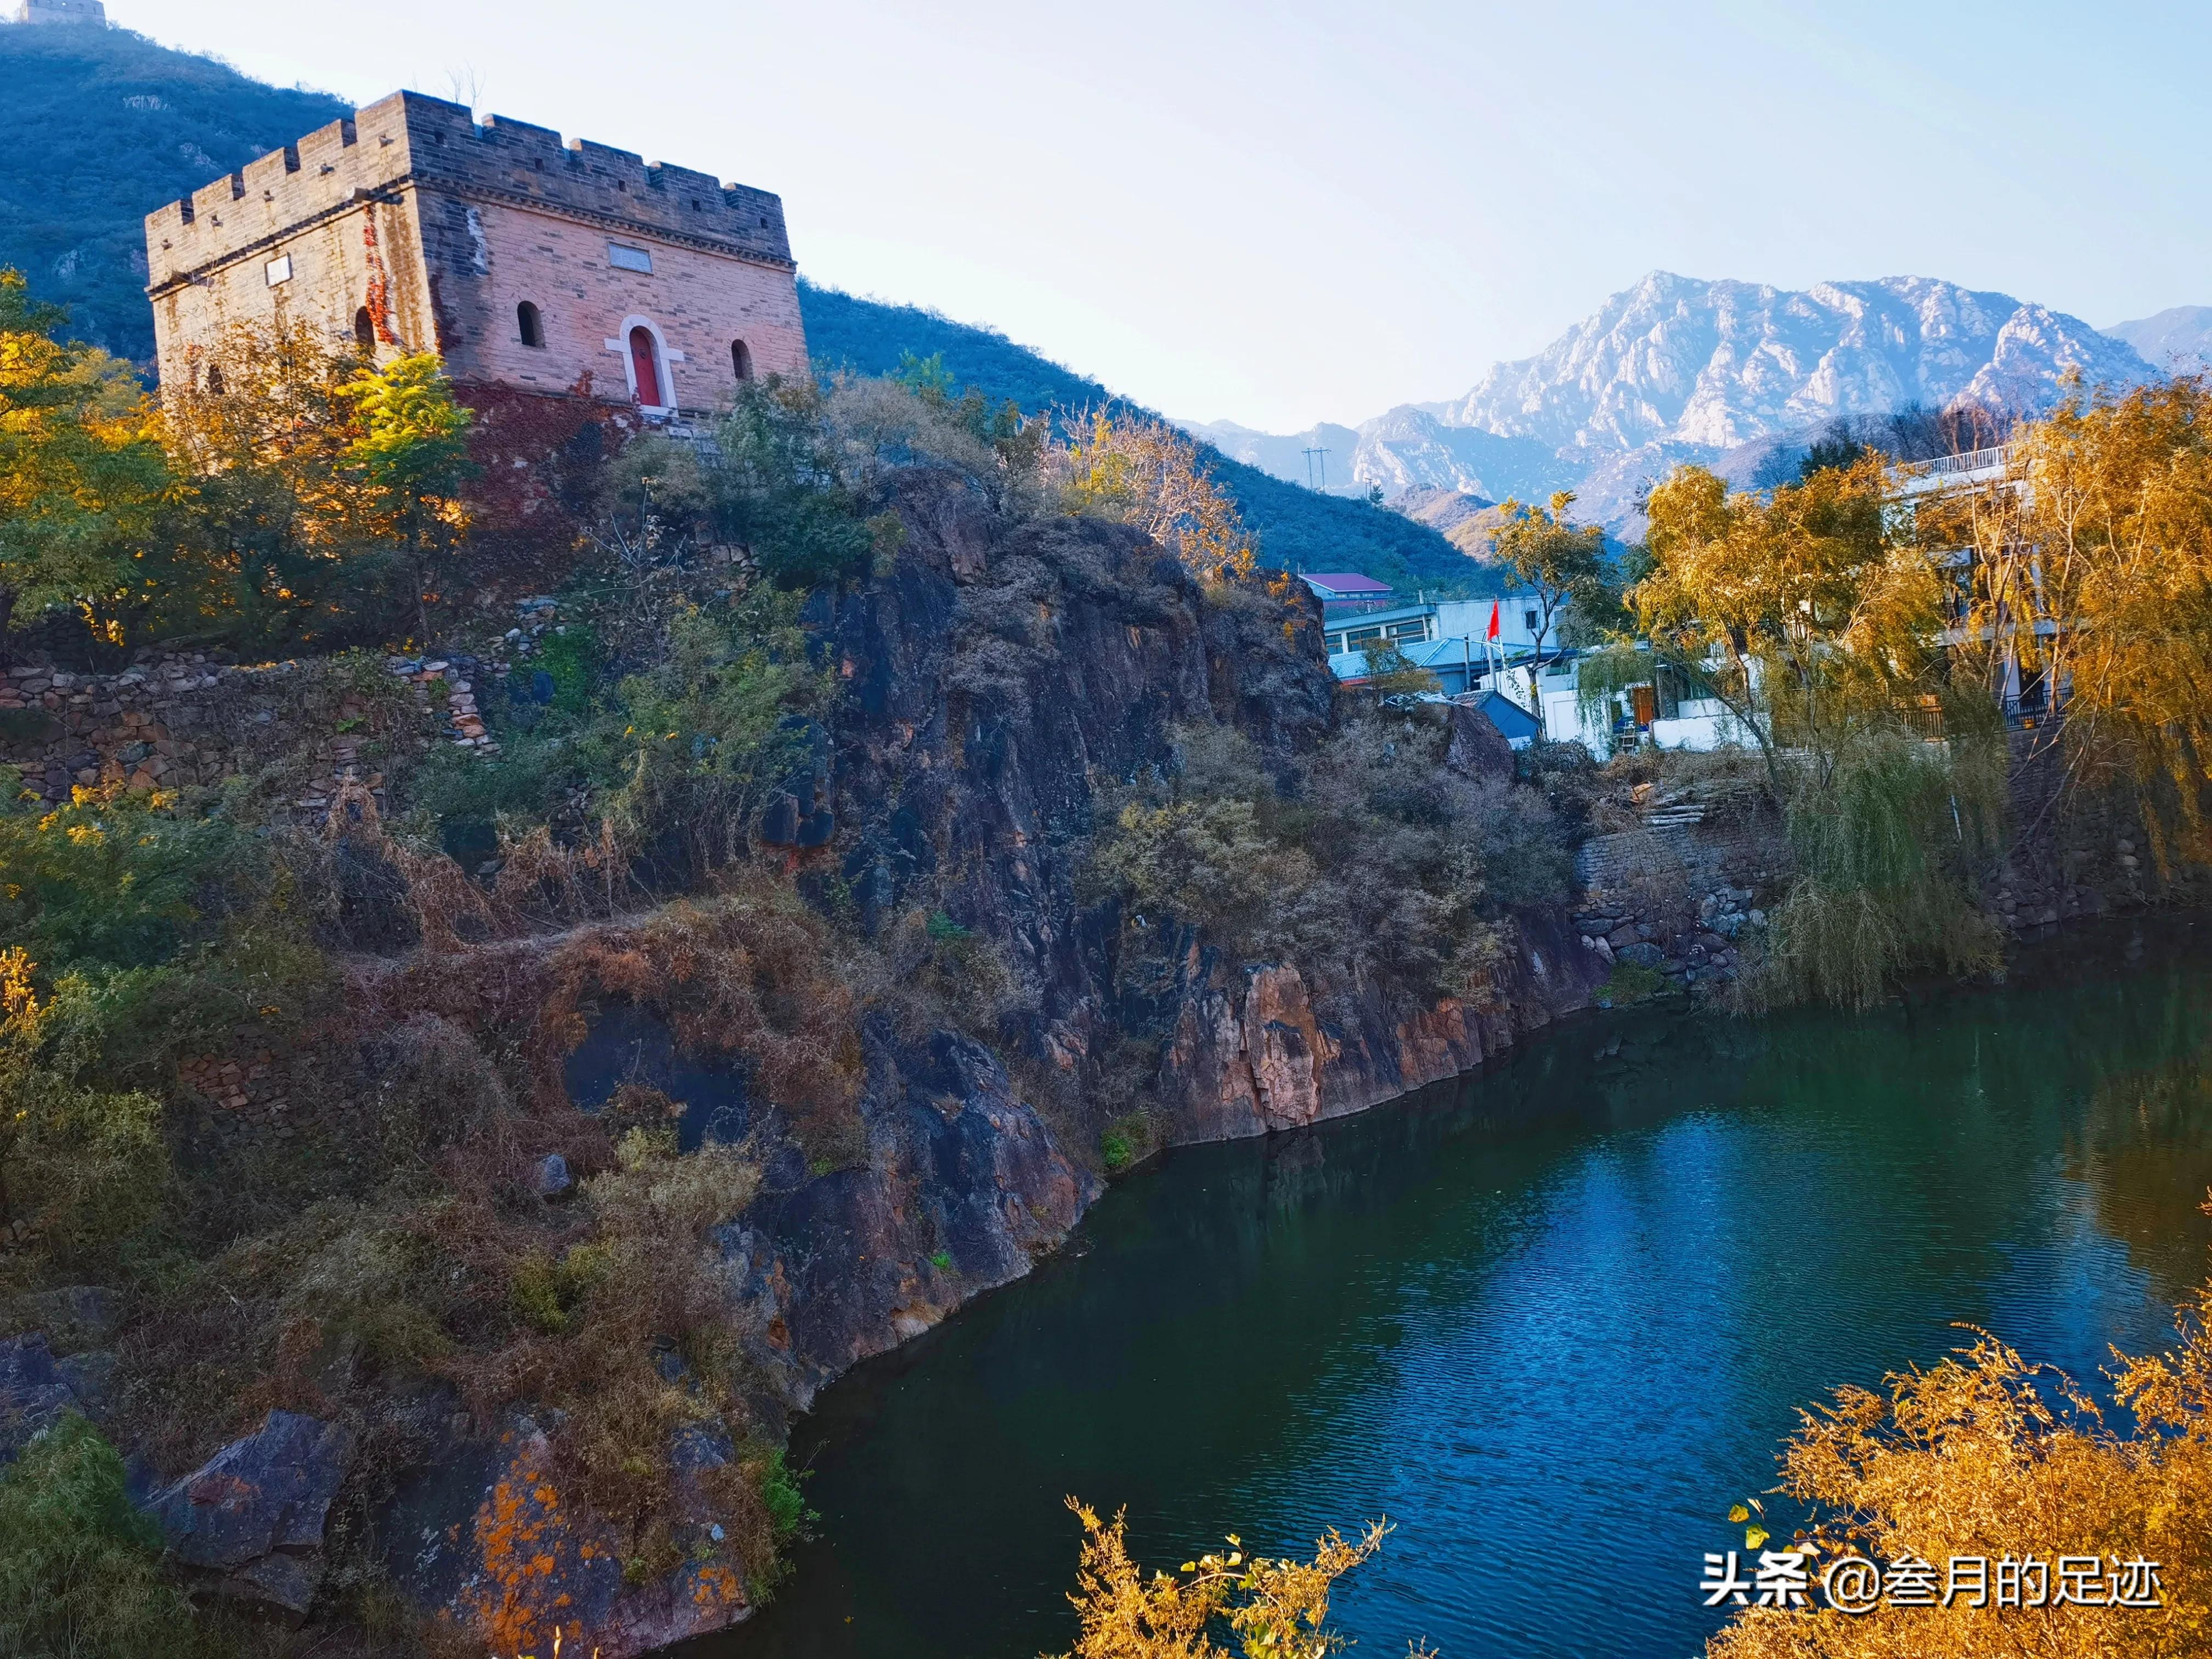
x,y
1371,857
752,975
612,1309
1144,472
927,971
881,425
433,1085
630,1330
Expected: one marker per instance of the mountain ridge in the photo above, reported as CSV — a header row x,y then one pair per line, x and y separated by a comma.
x,y
2180,337
99,127
1727,373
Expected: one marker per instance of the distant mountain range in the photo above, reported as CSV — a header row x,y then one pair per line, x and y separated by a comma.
x,y
2179,340
1728,374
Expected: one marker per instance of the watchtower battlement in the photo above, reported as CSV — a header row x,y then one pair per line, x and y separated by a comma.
x,y
411,139
410,226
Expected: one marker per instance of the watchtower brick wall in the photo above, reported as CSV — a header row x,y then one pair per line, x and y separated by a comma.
x,y
411,228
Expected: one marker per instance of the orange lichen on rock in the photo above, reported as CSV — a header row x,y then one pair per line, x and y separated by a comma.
x,y
545,1566
529,1551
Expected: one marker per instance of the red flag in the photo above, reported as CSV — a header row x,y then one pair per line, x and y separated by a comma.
x,y
1492,634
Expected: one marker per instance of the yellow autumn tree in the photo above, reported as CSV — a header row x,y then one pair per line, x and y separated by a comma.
x,y
328,490
81,472
1144,472
1986,1455
2091,573
1276,1607
407,455
1798,609
1814,614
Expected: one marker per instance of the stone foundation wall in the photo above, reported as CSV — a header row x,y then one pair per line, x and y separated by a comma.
x,y
2072,854
1678,893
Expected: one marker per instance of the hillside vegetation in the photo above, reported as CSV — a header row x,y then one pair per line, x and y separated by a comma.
x,y
1297,528
98,128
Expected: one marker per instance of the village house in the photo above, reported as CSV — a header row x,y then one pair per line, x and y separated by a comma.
x,y
1453,639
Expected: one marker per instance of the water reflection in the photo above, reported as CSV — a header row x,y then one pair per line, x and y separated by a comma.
x,y
1561,1312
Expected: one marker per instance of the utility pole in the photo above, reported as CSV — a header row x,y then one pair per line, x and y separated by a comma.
x,y
1322,455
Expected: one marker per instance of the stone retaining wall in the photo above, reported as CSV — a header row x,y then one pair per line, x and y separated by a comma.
x,y
184,720
1678,895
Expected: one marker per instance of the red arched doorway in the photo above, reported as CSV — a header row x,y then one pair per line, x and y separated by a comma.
x,y
645,365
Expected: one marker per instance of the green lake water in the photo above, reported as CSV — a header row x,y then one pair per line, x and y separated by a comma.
x,y
1551,1318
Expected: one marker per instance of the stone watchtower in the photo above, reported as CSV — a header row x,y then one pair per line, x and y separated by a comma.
x,y
59,11
564,270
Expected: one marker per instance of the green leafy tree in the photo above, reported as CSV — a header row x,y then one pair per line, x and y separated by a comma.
x,y
1556,559
711,728
105,908
408,451
82,475
927,378
325,491
780,493
1836,449
1392,673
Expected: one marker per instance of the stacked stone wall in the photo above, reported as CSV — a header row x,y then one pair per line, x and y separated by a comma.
x,y
184,720
1679,894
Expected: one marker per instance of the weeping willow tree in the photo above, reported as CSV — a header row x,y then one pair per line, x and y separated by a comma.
x,y
1814,616
1889,849
2091,573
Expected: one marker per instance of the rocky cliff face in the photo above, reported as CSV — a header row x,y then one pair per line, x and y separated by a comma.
x,y
999,677
1000,680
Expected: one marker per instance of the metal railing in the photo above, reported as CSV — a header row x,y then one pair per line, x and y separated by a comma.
x,y
1974,460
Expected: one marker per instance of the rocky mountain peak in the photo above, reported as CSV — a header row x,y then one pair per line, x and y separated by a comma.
x,y
1722,362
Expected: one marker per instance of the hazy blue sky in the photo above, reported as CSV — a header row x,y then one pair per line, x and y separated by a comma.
x,y
1291,212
